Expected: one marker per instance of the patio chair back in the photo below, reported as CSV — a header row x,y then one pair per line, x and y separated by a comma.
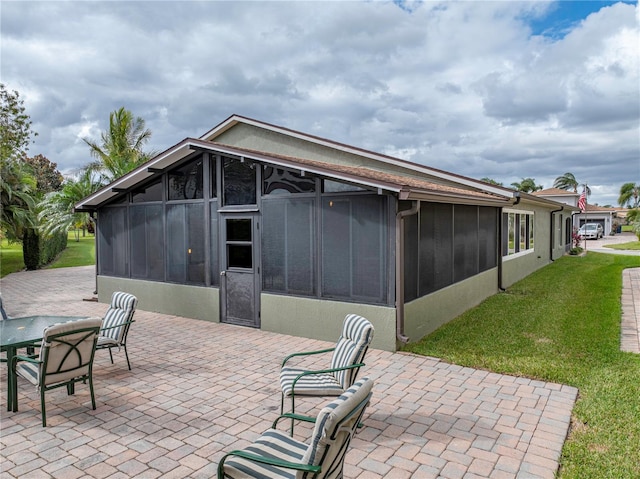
x,y
335,426
357,333
116,323
119,315
3,313
66,357
67,350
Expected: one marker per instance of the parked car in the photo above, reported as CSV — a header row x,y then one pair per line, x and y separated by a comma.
x,y
591,231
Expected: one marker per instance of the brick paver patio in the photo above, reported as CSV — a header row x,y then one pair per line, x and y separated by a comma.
x,y
198,389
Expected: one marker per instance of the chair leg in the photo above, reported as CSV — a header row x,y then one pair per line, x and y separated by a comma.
x,y
111,355
71,388
293,409
42,406
93,398
127,355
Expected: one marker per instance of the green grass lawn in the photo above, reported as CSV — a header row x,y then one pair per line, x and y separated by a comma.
x,y
562,324
77,253
632,245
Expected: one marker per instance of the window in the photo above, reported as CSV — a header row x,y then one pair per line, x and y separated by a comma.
x,y
185,243
451,243
185,182
330,186
354,247
112,242
288,248
278,181
239,243
147,251
518,232
238,182
149,192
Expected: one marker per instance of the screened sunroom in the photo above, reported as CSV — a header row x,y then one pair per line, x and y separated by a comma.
x,y
258,225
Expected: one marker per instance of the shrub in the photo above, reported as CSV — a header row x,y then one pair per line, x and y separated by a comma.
x,y
38,251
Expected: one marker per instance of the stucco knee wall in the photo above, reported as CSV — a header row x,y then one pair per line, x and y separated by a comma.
x,y
519,267
322,319
181,300
424,315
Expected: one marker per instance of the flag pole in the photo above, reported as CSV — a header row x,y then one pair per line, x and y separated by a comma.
x,y
584,192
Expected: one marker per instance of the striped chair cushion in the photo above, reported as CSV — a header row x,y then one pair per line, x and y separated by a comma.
x,y
121,310
272,444
311,385
357,333
335,425
29,371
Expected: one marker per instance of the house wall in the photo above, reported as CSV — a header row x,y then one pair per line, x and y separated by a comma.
x,y
304,317
426,314
251,137
322,319
521,265
196,302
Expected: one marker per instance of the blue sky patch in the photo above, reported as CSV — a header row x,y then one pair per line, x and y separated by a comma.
x,y
564,15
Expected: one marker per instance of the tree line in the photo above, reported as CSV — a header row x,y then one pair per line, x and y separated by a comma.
x,y
36,199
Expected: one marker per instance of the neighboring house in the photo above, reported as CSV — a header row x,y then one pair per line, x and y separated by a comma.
x,y
593,213
258,225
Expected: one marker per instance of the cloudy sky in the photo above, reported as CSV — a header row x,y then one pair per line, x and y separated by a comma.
x,y
498,89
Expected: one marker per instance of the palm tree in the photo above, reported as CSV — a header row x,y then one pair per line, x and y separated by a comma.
x,y
17,191
568,182
629,195
491,181
121,148
527,185
56,209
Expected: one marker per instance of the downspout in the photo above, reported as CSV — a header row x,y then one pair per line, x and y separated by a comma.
x,y
400,269
551,236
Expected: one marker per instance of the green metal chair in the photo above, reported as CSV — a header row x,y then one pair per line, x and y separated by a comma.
x,y
66,357
276,455
346,361
116,323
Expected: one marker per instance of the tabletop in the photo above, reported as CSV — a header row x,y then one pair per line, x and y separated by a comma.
x,y
17,332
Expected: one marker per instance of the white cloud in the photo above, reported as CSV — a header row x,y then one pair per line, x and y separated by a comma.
x,y
461,86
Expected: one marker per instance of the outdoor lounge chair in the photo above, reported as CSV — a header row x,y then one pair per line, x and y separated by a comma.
x,y
66,357
116,323
347,359
277,455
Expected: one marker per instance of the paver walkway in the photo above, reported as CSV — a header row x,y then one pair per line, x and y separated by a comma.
x,y
630,327
198,389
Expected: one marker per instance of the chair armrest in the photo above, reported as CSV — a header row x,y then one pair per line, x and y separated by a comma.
x,y
29,359
307,353
324,371
296,417
266,460
119,325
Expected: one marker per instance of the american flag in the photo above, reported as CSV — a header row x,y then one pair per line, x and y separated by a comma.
x,y
582,202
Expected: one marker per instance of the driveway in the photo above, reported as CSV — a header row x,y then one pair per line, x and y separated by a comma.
x,y
600,245
198,389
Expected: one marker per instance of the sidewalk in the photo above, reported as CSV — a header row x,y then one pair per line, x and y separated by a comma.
x,y
199,389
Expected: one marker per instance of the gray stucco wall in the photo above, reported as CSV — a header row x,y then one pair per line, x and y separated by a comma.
x,y
250,137
425,315
304,317
167,298
322,319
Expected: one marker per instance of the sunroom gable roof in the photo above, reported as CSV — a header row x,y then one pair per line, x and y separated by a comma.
x,y
405,187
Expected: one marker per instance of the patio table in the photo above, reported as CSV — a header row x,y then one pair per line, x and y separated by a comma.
x,y
20,332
